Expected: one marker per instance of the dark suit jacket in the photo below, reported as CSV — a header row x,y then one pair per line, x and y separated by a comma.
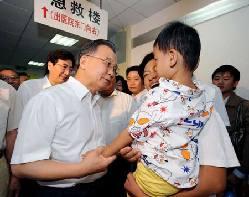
x,y
231,107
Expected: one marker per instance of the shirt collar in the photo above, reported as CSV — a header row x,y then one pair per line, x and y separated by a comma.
x,y
81,91
114,93
140,94
179,88
46,83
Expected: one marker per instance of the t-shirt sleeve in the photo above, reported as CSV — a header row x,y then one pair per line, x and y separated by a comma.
x,y
36,130
215,147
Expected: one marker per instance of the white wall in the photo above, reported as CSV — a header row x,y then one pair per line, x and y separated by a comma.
x,y
225,40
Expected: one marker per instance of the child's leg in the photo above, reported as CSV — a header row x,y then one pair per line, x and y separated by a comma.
x,y
132,187
151,183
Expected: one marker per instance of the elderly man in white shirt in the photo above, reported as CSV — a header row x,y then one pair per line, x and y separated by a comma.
x,y
7,100
58,67
61,125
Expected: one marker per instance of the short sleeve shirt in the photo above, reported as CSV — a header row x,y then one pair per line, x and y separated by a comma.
x,y
116,111
166,129
60,123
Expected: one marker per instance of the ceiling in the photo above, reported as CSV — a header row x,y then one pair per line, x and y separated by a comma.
x,y
23,40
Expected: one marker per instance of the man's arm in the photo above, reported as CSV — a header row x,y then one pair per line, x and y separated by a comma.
x,y
92,162
212,180
10,143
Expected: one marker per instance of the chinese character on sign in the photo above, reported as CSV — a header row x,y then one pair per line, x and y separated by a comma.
x,y
94,16
59,4
77,9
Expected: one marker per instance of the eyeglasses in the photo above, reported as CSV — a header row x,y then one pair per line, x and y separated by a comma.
x,y
107,62
8,78
66,67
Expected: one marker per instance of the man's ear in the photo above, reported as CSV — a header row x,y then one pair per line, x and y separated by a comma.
x,y
173,57
50,65
235,84
83,61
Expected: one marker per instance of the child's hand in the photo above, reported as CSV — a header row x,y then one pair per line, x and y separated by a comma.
x,y
130,154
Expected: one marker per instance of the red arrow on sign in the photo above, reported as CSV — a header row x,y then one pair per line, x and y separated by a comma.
x,y
44,11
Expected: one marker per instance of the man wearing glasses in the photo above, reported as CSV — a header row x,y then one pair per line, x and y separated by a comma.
x,y
61,130
10,76
58,67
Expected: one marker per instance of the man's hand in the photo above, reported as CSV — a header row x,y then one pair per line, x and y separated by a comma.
x,y
130,154
93,161
14,187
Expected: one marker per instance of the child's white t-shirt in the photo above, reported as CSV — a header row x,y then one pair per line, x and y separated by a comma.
x,y
166,127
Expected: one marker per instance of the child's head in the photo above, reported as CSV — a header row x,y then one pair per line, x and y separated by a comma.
x,y
176,47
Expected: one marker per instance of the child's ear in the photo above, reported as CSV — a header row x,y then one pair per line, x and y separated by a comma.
x,y
173,54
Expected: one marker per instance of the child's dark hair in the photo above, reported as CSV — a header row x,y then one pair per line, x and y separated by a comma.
x,y
184,39
228,68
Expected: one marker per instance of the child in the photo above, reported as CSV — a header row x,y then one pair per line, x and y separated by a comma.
x,y
166,126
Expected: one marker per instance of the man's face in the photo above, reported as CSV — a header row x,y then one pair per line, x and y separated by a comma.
x,y
10,77
108,89
99,68
150,74
23,78
225,82
60,71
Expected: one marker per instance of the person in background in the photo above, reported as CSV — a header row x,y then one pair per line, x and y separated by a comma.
x,y
7,101
227,77
23,77
10,76
135,83
116,109
60,147
121,84
148,67
59,64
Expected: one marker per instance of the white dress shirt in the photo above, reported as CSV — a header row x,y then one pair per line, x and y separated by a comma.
x,y
140,97
116,111
25,92
215,145
60,123
219,104
7,101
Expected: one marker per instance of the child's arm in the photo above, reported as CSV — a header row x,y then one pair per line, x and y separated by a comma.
x,y
121,141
